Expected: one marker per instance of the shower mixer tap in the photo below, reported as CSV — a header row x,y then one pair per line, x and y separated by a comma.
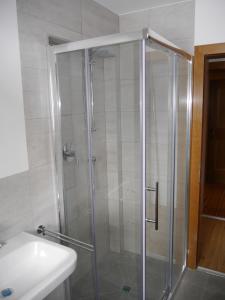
x,y
69,154
93,159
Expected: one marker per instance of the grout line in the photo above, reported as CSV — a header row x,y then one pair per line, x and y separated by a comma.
x,y
21,12
154,7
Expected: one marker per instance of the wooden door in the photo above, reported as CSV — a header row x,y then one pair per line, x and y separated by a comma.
x,y
215,154
202,53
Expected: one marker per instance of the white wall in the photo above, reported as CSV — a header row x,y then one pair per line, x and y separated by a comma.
x,y
209,22
13,150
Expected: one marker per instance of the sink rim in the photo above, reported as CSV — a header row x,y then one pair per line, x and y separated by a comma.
x,y
55,277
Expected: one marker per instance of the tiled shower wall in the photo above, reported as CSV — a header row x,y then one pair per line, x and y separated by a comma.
x,y
174,22
122,140
28,199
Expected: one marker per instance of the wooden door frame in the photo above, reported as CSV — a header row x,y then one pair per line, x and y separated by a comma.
x,y
201,53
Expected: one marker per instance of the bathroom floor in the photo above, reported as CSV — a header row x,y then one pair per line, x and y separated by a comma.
x,y
199,285
119,278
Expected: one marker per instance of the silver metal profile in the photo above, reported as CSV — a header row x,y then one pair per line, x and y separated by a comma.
x,y
107,40
56,136
142,104
89,114
56,139
170,295
117,38
173,164
188,153
91,63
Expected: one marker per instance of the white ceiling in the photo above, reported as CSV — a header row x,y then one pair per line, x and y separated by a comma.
x,y
125,6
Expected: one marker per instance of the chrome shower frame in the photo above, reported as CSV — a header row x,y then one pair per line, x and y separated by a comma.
x,y
55,101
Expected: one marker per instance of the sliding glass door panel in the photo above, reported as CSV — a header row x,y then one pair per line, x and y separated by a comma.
x,y
76,183
158,147
180,197
114,89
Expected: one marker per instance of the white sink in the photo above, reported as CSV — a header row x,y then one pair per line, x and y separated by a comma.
x,y
33,267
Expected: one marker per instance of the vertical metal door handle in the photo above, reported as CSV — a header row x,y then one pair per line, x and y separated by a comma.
x,y
156,190
157,206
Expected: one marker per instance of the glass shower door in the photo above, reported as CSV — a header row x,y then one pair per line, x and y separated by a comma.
x,y
99,153
114,117
183,71
158,179
122,132
76,216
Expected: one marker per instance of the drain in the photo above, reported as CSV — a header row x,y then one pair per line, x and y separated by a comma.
x,y
6,292
126,288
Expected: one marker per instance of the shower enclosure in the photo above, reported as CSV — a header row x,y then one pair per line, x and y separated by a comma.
x,y
121,122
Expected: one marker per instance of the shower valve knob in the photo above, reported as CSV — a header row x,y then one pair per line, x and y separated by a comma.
x,y
69,154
